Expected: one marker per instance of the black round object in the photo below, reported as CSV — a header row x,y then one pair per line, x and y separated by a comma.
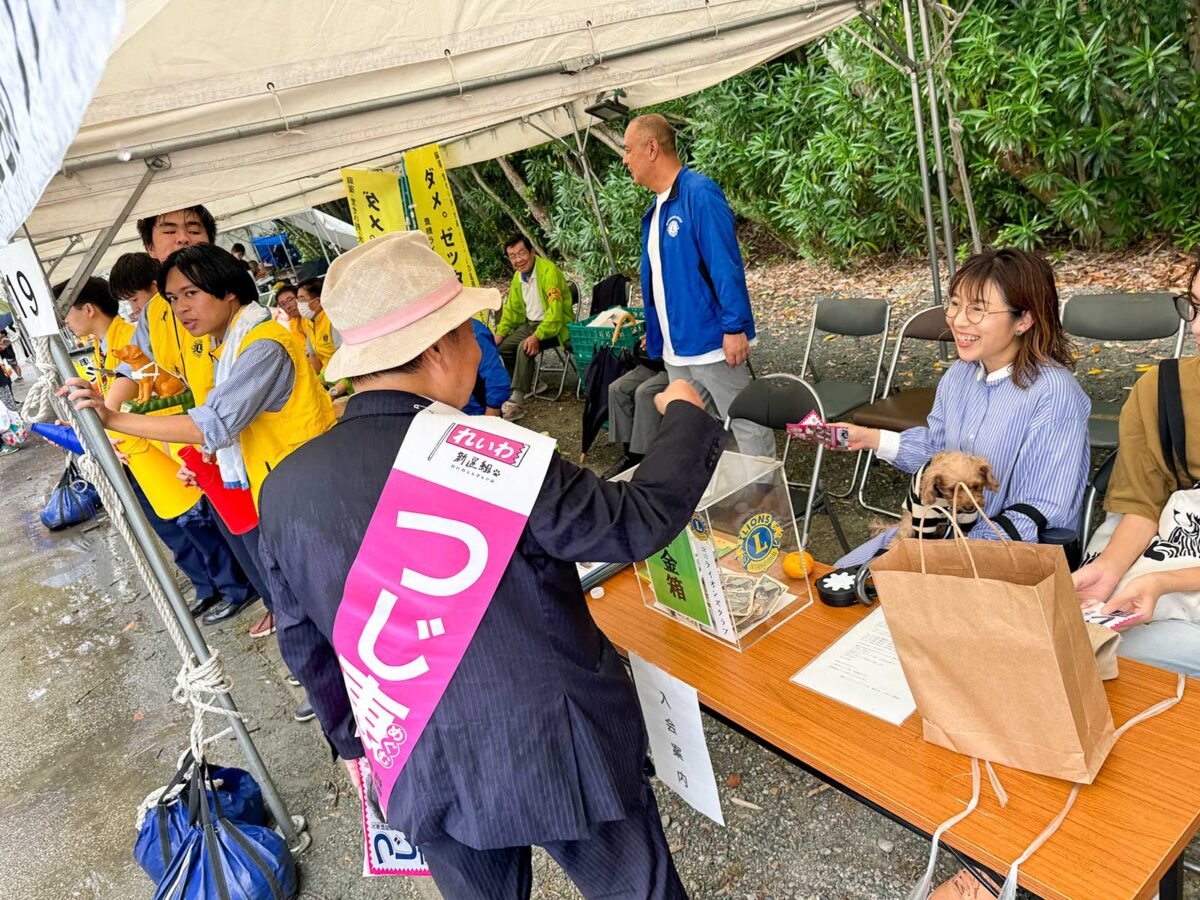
x,y
837,588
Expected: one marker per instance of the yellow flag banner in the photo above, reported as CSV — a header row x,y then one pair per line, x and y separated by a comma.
x,y
436,214
376,205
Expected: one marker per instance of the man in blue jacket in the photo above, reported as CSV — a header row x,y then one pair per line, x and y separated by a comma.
x,y
693,282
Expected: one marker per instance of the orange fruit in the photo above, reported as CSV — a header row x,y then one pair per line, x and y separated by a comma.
x,y
798,565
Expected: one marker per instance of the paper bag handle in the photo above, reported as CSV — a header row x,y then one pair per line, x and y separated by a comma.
x,y
960,535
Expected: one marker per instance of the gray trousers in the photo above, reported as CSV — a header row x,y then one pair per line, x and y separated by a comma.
x,y
717,385
632,416
517,361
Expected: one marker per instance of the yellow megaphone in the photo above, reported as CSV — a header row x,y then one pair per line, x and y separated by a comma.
x,y
156,474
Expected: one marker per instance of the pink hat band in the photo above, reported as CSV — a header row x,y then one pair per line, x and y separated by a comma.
x,y
405,316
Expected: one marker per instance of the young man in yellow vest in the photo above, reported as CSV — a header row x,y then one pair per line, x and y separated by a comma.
x,y
322,337
198,548
266,400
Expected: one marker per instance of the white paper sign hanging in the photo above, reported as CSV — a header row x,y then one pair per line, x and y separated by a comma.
x,y
672,713
24,288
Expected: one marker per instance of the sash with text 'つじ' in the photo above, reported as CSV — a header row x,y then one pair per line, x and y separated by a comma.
x,y
447,523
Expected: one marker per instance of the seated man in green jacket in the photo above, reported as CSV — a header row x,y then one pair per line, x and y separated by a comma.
x,y
534,318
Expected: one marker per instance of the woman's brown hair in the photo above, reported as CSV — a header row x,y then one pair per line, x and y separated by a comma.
x,y
1026,284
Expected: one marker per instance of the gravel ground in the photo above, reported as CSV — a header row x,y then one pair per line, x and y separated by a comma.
x,y
800,839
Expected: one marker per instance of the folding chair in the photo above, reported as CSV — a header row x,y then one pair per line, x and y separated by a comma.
x,y
562,352
909,408
853,317
1120,317
773,401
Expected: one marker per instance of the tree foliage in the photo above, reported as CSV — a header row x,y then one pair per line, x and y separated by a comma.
x,y
1080,124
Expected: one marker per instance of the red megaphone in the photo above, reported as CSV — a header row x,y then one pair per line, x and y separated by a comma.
x,y
234,505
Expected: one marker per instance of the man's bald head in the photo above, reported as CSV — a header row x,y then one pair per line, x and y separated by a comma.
x,y
653,127
650,153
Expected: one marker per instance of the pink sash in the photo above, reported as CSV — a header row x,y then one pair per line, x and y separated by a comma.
x,y
454,505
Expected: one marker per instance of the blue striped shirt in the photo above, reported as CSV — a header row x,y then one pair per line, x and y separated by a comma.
x,y
1035,438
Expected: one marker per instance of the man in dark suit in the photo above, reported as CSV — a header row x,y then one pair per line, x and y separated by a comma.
x,y
538,738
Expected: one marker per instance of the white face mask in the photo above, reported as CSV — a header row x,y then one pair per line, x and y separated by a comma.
x,y
305,312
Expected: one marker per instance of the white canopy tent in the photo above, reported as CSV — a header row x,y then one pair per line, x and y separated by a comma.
x,y
257,105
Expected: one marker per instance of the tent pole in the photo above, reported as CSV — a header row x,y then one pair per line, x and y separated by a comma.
x,y
75,239
581,152
919,121
98,446
935,120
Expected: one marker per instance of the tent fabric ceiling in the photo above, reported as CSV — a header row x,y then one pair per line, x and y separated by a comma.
x,y
319,55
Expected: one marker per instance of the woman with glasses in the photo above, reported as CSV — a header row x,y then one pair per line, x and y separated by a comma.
x,y
1148,561
1010,398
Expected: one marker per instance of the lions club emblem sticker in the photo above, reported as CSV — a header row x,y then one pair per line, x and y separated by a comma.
x,y
698,529
758,542
673,224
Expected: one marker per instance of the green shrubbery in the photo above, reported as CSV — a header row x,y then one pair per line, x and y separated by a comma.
x,y
1081,125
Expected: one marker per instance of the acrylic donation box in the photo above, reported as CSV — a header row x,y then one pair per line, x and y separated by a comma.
x,y
723,574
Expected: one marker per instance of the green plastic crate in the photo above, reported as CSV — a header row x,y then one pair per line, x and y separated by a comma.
x,y
585,338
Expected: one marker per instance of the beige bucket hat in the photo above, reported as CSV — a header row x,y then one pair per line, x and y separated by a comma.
x,y
391,299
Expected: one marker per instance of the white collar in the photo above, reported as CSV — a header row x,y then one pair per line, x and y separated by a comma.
x,y
993,377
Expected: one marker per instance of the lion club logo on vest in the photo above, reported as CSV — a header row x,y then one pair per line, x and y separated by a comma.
x,y
758,542
673,225
197,349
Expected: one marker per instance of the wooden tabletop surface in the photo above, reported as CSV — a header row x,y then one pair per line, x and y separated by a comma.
x,y
1123,833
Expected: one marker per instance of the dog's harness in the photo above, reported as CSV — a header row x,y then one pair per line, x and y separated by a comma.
x,y
933,520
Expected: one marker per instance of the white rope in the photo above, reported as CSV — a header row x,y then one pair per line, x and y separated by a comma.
x,y
921,891
198,685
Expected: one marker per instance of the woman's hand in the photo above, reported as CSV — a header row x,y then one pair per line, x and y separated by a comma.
x,y
860,438
81,393
1095,582
1139,597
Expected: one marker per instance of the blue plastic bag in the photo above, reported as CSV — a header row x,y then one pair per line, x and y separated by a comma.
x,y
220,859
165,826
72,501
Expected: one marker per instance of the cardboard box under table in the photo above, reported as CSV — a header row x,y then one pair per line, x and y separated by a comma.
x,y
723,574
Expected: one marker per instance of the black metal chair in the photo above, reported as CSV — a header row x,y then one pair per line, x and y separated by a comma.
x,y
1120,317
909,408
774,401
847,317
562,353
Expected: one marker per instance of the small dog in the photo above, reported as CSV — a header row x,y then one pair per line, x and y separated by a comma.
x,y
930,498
152,381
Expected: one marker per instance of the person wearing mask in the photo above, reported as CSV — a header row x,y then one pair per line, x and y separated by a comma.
x,y
194,542
162,337
537,736
322,337
134,279
534,318
698,317
266,400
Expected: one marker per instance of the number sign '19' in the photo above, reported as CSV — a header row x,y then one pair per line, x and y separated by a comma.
x,y
25,290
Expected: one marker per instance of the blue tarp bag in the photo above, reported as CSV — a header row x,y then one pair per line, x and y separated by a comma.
x,y
72,501
166,824
220,859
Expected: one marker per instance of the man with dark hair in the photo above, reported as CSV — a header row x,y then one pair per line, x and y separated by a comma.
x,y
322,337
134,277
534,317
698,316
522,727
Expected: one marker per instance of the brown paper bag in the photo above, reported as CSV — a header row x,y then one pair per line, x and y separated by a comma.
x,y
1105,643
996,653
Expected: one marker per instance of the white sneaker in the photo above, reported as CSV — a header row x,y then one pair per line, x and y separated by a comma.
x,y
512,410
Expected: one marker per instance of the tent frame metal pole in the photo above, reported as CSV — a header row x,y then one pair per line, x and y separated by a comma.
x,y
581,153
74,239
96,440
935,122
922,159
565,67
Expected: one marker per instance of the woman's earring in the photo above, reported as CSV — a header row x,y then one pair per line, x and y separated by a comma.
x,y
1019,332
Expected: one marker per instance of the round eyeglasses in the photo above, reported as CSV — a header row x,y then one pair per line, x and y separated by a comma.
x,y
976,312
1187,305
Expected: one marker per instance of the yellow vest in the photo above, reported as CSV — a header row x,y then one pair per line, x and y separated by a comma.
x,y
119,334
309,412
177,351
322,338
319,334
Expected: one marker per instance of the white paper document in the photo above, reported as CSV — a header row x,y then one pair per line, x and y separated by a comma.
x,y
672,713
861,669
